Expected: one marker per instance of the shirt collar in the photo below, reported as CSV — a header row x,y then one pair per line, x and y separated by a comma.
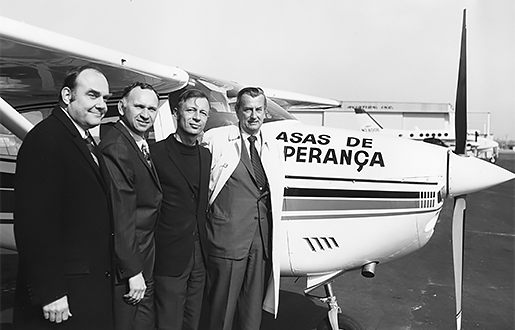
x,y
81,130
137,138
245,136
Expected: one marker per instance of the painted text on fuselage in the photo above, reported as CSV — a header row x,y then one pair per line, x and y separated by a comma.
x,y
311,148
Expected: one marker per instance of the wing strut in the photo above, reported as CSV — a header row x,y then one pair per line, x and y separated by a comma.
x,y
13,120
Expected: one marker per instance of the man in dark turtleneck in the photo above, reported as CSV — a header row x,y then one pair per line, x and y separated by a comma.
x,y
183,168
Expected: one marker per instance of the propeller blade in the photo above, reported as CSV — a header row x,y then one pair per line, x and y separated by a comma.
x,y
458,232
460,120
460,202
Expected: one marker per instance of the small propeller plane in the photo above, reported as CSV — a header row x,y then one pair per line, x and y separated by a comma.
x,y
351,200
478,145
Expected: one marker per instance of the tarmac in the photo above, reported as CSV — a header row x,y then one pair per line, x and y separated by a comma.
x,y
415,292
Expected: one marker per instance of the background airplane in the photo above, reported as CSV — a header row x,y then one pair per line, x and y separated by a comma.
x,y
353,200
478,145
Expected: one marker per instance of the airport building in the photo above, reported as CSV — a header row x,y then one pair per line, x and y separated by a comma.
x,y
408,116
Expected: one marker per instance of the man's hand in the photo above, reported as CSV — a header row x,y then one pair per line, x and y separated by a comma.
x,y
137,289
57,311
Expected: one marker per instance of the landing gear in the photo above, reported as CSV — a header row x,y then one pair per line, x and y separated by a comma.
x,y
345,322
335,320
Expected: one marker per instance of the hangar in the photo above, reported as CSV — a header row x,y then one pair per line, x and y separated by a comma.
x,y
392,115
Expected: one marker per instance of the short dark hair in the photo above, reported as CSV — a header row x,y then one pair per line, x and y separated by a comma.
x,y
190,94
141,85
70,79
250,91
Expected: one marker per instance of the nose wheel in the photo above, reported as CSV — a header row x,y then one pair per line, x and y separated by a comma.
x,y
335,320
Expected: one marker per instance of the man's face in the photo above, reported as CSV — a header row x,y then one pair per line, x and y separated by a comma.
x,y
192,116
86,104
251,113
139,109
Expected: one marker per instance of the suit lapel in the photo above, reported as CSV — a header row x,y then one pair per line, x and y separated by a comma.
x,y
127,135
79,142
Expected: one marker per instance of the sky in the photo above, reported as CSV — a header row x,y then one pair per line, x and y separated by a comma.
x,y
368,50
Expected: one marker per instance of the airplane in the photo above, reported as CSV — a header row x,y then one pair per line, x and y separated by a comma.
x,y
353,200
478,145
483,146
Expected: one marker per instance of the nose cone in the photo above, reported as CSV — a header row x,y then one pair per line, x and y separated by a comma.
x,y
469,174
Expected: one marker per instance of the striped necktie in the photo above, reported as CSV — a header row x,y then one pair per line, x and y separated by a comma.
x,y
259,171
90,143
146,152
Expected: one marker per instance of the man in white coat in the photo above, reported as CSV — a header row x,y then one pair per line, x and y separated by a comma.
x,y
245,204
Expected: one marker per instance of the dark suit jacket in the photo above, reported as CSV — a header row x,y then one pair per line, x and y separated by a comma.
x,y
181,209
233,216
62,228
136,197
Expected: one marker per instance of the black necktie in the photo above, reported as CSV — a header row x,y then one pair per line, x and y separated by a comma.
x,y
259,172
90,143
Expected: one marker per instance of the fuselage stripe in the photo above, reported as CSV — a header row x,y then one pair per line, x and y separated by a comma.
x,y
322,204
353,215
297,177
343,193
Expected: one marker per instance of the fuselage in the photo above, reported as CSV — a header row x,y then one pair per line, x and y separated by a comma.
x,y
352,198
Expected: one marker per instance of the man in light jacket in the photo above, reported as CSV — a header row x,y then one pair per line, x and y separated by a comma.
x,y
245,203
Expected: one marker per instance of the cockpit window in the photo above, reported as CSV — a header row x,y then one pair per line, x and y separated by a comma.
x,y
9,143
222,97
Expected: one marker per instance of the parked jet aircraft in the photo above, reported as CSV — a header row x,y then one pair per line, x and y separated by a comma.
x,y
478,145
352,199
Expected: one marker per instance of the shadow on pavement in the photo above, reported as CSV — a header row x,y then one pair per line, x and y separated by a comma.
x,y
295,312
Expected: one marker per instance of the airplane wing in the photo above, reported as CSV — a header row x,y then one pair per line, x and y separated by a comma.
x,y
300,101
33,63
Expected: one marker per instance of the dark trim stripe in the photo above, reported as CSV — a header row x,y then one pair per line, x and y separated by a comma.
x,y
297,177
6,200
7,180
309,204
8,158
348,216
342,193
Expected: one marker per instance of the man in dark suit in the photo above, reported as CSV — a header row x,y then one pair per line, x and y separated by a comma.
x,y
136,197
62,215
183,168
245,203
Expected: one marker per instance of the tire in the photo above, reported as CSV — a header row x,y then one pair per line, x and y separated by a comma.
x,y
345,322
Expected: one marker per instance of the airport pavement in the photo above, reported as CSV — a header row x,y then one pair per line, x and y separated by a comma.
x,y
415,292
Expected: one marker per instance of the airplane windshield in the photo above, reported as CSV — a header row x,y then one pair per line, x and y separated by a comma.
x,y
222,97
